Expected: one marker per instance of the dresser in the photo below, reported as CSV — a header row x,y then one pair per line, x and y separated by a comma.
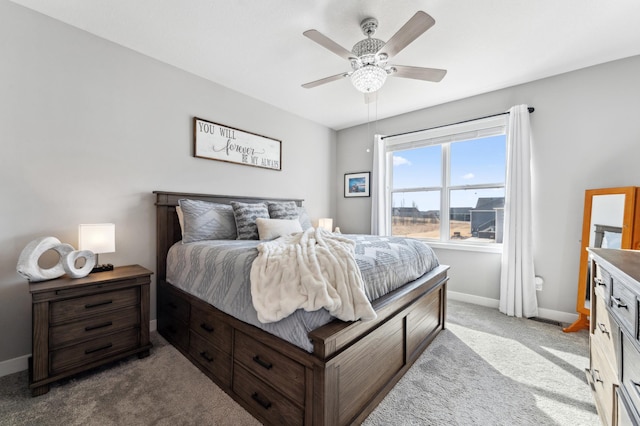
x,y
82,323
614,345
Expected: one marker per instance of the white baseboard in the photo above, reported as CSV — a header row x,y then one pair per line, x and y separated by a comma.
x,y
563,317
14,365
21,363
470,298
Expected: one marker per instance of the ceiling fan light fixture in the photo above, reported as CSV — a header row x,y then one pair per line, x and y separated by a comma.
x,y
369,78
369,58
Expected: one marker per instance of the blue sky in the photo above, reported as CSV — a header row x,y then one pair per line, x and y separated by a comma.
x,y
477,161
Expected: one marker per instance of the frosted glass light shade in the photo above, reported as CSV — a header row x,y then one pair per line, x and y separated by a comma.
x,y
97,237
369,78
326,223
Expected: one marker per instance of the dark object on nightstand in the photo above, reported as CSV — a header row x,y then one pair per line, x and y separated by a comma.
x,y
79,324
102,268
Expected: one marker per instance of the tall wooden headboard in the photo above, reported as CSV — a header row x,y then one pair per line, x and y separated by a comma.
x,y
168,228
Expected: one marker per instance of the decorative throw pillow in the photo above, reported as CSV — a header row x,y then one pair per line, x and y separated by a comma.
x,y
245,215
207,221
304,219
283,210
269,229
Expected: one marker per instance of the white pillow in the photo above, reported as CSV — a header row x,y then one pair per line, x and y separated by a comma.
x,y
612,240
269,229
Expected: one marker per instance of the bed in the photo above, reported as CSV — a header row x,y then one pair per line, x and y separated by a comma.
x,y
344,374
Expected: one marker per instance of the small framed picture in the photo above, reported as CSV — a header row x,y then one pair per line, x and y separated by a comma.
x,y
357,184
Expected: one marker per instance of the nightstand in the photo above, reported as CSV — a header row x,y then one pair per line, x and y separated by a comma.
x,y
79,324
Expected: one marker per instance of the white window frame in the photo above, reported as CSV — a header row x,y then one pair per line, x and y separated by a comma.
x,y
444,136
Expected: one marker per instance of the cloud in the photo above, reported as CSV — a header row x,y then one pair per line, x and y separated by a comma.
x,y
399,161
468,176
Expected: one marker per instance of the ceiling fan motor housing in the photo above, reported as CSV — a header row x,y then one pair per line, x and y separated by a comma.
x,y
366,50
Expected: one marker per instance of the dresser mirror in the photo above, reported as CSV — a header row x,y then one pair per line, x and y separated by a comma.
x,y
608,222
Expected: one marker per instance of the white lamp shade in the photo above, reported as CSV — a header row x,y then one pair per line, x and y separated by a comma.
x,y
326,223
97,237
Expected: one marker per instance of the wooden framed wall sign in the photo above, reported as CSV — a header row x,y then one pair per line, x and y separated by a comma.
x,y
223,143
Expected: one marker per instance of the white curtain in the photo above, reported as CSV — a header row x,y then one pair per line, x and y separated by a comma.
x,y
379,213
517,281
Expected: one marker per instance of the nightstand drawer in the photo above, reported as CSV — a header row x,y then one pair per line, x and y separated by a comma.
x,y
270,404
210,357
211,328
89,328
605,333
623,304
630,378
603,383
80,307
626,417
283,373
93,350
602,282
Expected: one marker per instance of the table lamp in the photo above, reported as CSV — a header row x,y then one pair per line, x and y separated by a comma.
x,y
98,238
326,223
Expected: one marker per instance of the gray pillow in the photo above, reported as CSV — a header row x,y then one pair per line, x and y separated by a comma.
x,y
207,221
245,215
304,219
283,210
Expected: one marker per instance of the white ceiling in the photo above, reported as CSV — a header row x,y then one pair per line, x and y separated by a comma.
x,y
256,47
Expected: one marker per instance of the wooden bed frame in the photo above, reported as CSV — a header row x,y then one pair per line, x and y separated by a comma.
x,y
353,364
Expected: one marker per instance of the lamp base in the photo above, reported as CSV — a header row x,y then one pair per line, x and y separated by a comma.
x,y
102,268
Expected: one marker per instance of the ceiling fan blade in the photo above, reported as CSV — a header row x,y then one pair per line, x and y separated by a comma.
x,y
324,80
327,43
417,25
418,73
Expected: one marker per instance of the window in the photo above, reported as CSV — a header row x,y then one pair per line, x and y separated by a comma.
x,y
448,184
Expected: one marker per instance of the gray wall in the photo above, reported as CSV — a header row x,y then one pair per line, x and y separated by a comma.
x,y
586,135
88,129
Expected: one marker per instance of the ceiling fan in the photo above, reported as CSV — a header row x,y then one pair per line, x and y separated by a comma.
x,y
370,57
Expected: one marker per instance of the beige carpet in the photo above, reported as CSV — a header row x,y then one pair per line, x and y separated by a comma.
x,y
485,369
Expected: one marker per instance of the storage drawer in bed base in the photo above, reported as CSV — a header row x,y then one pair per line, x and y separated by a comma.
x,y
335,389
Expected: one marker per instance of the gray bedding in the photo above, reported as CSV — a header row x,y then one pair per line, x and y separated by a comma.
x,y
218,272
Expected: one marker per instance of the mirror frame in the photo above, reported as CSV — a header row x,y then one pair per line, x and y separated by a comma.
x,y
628,238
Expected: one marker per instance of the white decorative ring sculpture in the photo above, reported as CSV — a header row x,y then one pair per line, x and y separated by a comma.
x,y
69,263
28,261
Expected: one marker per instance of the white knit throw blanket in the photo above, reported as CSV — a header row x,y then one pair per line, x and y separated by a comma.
x,y
310,270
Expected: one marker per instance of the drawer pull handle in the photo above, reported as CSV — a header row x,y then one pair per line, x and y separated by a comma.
x,y
90,351
603,328
599,281
265,403
619,303
264,364
95,327
595,375
95,305
206,356
172,305
206,327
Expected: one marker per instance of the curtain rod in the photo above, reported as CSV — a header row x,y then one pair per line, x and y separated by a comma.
x,y
531,109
